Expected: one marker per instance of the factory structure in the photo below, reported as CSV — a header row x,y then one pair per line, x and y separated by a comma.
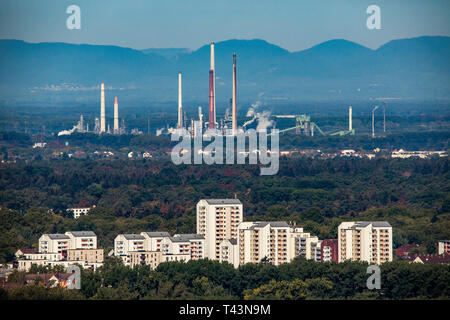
x,y
228,125
100,125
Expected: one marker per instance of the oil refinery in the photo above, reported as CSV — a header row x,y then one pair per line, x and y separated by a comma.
x,y
228,125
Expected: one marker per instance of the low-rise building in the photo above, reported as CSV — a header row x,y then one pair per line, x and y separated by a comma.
x,y
229,252
78,212
430,258
85,257
151,258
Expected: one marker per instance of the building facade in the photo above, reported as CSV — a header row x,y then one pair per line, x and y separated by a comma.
x,y
218,220
229,252
264,241
369,241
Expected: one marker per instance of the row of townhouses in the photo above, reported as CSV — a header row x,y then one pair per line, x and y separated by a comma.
x,y
222,235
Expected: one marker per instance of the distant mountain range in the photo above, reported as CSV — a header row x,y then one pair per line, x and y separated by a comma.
x,y
417,68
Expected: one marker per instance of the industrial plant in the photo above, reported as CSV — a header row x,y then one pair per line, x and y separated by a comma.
x,y
303,124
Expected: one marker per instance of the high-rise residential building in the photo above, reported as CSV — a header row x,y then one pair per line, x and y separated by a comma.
x,y
444,247
305,245
264,241
218,220
369,241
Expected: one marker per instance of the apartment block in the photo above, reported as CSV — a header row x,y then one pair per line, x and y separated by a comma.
x,y
54,243
218,220
153,240
305,245
85,256
190,244
151,258
125,243
369,241
82,240
63,249
78,212
229,252
258,241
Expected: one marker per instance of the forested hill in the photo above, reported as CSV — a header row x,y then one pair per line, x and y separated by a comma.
x,y
416,68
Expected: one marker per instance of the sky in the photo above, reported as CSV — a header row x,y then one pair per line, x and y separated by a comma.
x,y
292,24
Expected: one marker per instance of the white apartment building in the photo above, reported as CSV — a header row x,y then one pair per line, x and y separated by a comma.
x,y
82,240
369,241
229,252
218,220
78,212
180,247
190,244
60,243
126,243
38,256
54,243
264,240
304,244
153,240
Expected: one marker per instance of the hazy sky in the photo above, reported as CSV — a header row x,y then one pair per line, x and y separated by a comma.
x,y
291,24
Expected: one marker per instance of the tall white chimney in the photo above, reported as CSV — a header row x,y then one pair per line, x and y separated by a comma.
x,y
116,116
200,115
350,118
102,109
180,106
234,108
213,68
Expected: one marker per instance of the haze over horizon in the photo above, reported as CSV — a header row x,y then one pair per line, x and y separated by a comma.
x,y
291,24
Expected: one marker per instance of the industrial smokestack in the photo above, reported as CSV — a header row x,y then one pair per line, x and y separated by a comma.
x,y
211,100
350,118
180,107
373,121
200,115
234,108
116,116
213,68
102,109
